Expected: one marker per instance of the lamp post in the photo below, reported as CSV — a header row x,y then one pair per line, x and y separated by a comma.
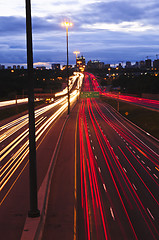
x,y
34,212
76,52
67,25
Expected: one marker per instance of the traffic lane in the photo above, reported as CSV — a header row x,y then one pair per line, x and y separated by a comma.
x,y
100,220
141,188
12,160
146,178
14,208
13,164
143,136
148,103
60,213
15,140
148,162
113,205
137,147
140,151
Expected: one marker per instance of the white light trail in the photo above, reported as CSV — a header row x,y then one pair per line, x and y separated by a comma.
x,y
9,168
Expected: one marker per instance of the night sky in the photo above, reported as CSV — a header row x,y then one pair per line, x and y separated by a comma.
x,y
108,31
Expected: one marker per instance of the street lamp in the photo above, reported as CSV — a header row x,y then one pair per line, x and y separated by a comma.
x,y
67,25
76,52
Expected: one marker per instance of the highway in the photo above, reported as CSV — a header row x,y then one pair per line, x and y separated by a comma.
x,y
112,168
147,103
14,149
119,176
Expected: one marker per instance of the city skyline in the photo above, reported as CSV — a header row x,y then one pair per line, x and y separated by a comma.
x,y
108,31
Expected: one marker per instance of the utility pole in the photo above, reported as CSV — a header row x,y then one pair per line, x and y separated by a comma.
x,y
67,25
68,90
33,212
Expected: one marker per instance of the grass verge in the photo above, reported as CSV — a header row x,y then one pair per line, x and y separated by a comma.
x,y
146,119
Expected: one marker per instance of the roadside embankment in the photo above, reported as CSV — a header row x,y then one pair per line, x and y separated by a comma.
x,y
146,119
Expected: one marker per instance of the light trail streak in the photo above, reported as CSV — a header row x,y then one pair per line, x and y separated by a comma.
x,y
104,155
23,121
13,102
92,178
118,173
130,139
17,141
13,169
141,202
146,171
72,81
9,168
135,193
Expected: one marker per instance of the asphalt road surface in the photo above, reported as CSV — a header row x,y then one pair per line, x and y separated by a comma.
x,y
106,180
119,177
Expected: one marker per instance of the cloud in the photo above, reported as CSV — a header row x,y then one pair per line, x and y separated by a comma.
x,y
112,12
12,25
104,30
120,27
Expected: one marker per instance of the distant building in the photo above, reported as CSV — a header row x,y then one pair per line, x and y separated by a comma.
x,y
81,63
96,64
128,64
148,63
2,66
156,63
142,64
107,65
65,66
41,68
55,66
136,65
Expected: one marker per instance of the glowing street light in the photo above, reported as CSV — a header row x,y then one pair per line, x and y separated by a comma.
x,y
67,25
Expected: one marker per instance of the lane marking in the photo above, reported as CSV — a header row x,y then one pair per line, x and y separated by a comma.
x,y
132,132
155,176
104,187
134,187
150,214
149,168
111,211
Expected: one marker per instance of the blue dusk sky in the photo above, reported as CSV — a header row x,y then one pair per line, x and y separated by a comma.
x,y
110,31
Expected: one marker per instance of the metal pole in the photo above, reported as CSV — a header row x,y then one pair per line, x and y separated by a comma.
x,y
33,212
68,91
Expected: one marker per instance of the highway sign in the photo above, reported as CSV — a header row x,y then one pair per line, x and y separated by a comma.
x,y
89,94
